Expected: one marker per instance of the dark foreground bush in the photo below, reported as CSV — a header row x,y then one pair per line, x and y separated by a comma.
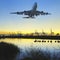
x,y
8,51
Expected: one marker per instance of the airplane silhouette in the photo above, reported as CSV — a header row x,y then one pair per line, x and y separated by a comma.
x,y
31,13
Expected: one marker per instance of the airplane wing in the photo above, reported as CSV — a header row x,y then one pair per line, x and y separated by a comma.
x,y
42,13
17,13
20,13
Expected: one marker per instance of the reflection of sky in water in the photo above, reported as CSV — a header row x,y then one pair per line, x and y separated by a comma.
x,y
29,43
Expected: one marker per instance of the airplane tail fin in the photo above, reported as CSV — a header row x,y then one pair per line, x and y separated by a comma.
x,y
34,6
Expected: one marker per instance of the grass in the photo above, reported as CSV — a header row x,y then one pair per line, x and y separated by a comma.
x,y
38,54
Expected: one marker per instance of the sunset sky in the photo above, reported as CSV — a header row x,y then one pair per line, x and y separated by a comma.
x,y
16,23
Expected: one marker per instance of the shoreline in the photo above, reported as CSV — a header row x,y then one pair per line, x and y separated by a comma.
x,y
32,37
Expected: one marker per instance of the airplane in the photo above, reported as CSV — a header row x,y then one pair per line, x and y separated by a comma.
x,y
32,13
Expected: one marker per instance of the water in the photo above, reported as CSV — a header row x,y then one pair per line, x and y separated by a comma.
x,y
50,45
27,43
